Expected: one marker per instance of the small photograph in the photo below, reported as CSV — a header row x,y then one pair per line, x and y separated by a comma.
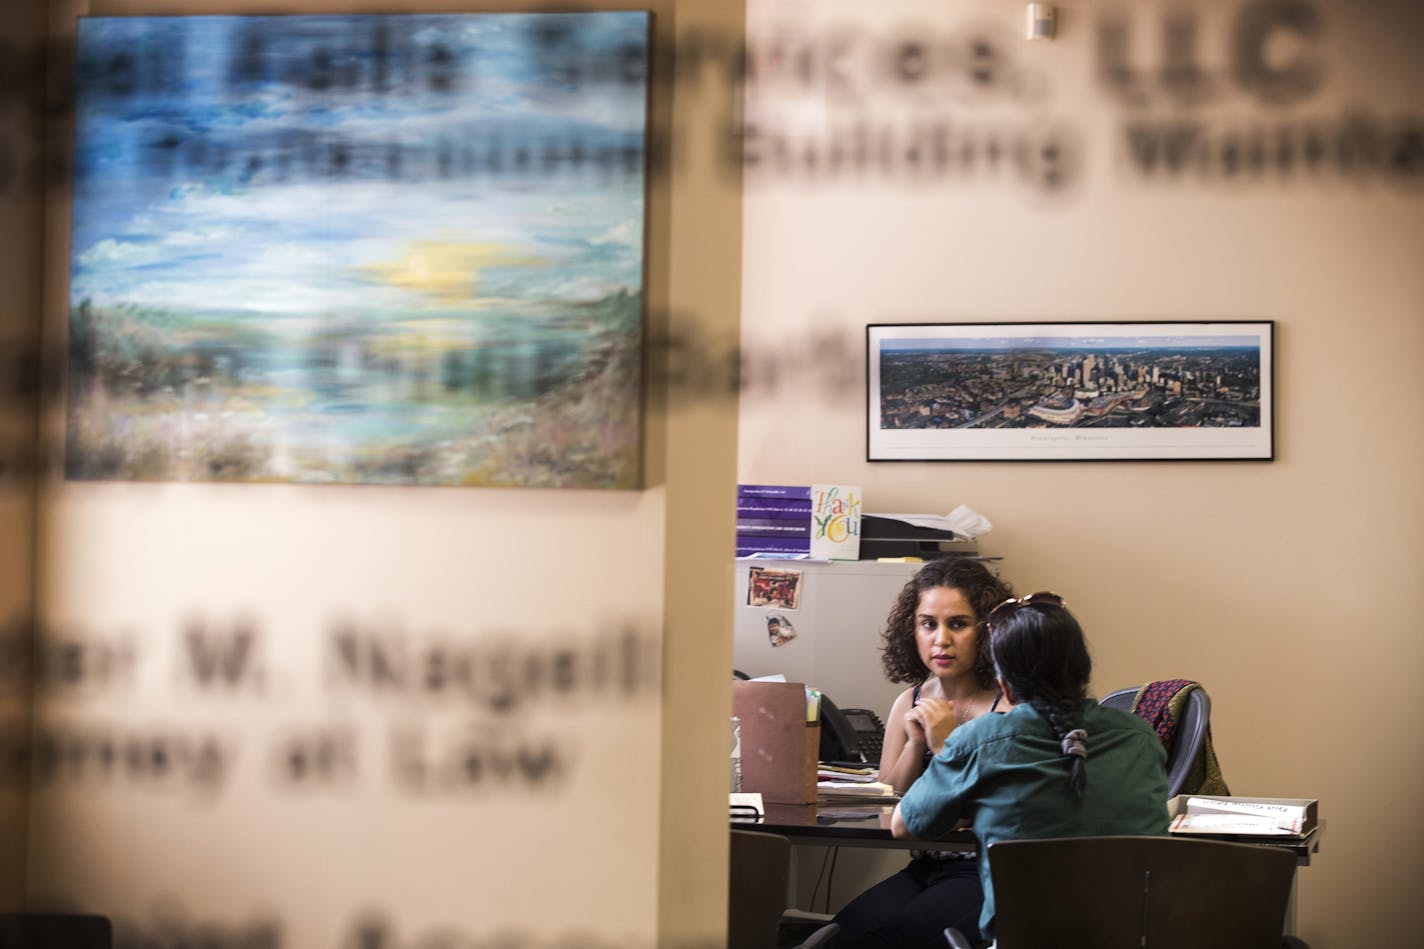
x,y
779,629
772,587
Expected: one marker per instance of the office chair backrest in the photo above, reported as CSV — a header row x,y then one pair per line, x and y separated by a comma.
x,y
760,871
1136,892
1191,733
1121,699
757,897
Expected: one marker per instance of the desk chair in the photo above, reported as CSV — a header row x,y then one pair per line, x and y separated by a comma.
x,y
1191,733
760,873
54,931
1136,892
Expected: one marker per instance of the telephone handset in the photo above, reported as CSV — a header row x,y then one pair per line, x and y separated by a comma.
x,y
853,735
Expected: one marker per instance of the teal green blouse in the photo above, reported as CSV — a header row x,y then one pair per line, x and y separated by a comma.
x,y
1007,775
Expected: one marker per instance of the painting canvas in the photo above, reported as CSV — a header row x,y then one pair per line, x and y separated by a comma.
x,y
363,249
1070,391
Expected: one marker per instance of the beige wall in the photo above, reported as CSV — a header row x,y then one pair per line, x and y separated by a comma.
x,y
1287,588
621,849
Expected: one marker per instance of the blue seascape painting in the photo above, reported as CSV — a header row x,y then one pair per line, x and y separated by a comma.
x,y
393,249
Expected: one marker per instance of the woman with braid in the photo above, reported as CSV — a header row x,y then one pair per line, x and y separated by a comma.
x,y
1056,765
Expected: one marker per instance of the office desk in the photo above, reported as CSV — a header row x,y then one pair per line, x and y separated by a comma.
x,y
862,825
868,825
844,825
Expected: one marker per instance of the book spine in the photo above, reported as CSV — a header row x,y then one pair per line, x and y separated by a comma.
x,y
792,545
798,491
773,507
773,545
773,527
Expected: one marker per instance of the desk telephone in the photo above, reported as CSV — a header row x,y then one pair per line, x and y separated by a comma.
x,y
852,735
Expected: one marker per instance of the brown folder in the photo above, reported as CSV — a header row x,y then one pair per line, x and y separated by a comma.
x,y
780,748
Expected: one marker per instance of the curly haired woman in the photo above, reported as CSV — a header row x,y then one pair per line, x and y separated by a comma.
x,y
934,639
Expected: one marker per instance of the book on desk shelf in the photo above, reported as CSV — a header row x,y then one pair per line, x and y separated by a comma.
x,y
801,492
844,792
773,527
749,544
783,508
1241,816
773,519
825,771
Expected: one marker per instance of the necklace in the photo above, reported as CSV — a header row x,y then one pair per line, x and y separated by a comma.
x,y
964,712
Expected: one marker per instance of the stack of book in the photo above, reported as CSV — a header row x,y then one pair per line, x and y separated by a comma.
x,y
854,792
838,784
825,771
773,520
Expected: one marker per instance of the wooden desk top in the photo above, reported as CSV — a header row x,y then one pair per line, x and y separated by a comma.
x,y
843,825
868,825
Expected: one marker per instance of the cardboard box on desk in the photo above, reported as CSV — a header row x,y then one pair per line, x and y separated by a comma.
x,y
780,748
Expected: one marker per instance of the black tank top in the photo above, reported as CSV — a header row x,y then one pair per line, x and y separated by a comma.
x,y
915,700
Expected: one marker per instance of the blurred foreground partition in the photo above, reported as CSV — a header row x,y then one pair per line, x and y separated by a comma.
x,y
21,221
375,714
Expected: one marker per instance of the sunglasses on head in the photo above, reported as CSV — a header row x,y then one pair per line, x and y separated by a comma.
x,y
1015,603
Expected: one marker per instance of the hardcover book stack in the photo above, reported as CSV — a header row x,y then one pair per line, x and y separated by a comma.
x,y
773,519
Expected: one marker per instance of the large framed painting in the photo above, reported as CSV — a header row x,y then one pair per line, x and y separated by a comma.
x,y
359,249
1070,391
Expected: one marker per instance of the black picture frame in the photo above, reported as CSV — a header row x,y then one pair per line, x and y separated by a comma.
x,y
1071,391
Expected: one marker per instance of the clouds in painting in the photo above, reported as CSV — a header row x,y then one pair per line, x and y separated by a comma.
x,y
273,164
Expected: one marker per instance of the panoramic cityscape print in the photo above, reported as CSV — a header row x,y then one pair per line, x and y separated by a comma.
x,y
384,249
1070,391
995,383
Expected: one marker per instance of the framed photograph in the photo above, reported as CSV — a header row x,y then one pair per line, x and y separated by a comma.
x,y
359,249
1160,391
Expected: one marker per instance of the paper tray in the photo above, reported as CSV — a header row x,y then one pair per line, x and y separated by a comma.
x,y
1178,805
